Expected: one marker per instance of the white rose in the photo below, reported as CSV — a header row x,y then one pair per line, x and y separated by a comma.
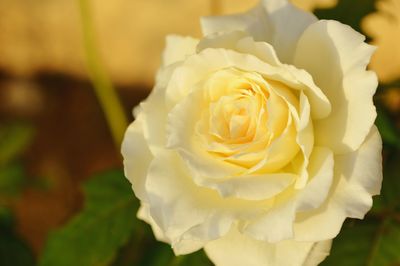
x,y
258,140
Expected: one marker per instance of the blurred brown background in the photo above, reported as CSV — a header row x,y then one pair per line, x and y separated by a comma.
x,y
44,84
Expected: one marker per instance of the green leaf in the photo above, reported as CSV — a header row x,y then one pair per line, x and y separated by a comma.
x,y
389,134
12,178
367,243
105,224
389,200
196,259
386,245
13,250
161,254
13,140
349,12
352,246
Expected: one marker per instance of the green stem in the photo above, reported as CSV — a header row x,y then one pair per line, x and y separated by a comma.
x,y
103,87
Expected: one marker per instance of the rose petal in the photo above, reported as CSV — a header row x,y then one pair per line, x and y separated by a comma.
x,y
239,41
184,246
358,177
144,214
252,22
251,187
236,249
137,157
172,195
182,122
154,109
305,138
274,21
177,48
317,189
318,253
199,66
154,120
339,70
270,226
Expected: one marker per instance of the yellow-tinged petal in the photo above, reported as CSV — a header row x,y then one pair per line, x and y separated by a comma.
x,y
177,48
339,69
358,177
236,249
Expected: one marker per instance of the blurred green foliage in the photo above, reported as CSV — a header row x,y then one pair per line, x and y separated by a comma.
x,y
13,250
103,226
388,131
14,138
107,231
12,178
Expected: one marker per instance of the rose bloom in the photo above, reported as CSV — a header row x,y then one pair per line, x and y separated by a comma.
x,y
258,140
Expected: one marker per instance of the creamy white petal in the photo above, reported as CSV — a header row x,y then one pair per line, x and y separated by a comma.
x,y
358,176
154,120
336,56
137,157
236,249
187,213
227,40
184,246
274,21
144,214
305,138
289,23
154,110
318,253
262,50
271,226
241,42
251,187
321,106
254,22
197,67
177,48
317,189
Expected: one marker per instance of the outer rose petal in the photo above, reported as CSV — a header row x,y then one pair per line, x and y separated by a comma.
x,y
154,118
344,80
274,21
277,224
358,176
241,42
177,48
187,213
137,157
184,247
236,249
143,214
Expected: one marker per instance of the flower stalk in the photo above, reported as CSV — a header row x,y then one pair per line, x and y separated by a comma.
x,y
104,90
